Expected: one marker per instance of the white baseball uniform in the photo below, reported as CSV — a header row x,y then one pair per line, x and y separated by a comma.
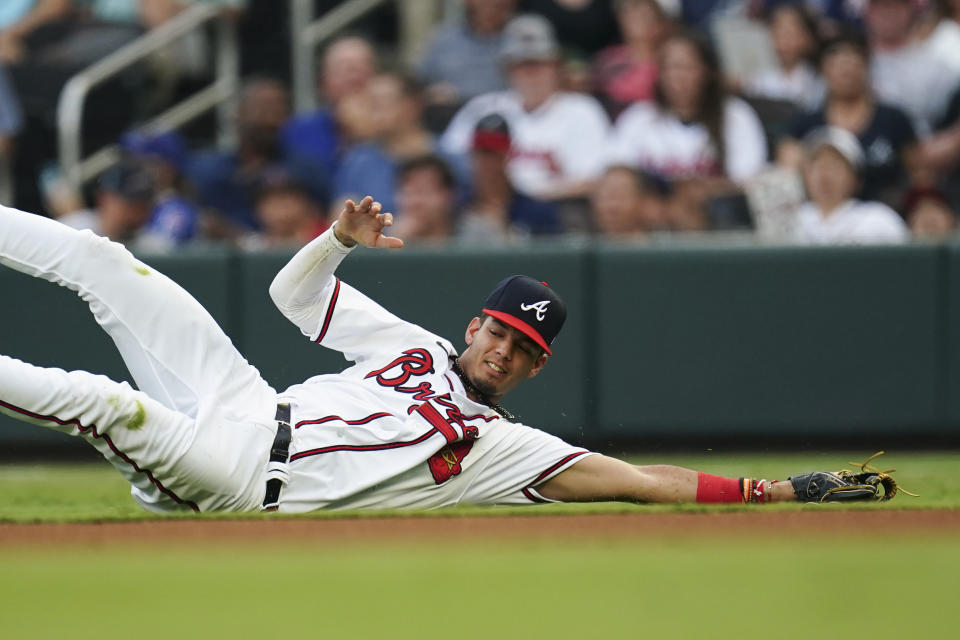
x,y
561,141
395,430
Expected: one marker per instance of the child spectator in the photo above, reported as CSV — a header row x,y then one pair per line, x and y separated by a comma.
x,y
498,213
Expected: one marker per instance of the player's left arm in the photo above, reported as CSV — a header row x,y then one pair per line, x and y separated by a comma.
x,y
600,478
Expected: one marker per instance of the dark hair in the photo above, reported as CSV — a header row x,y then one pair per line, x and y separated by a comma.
x,y
809,22
712,98
430,162
847,38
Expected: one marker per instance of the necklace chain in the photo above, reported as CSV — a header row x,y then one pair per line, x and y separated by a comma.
x,y
472,388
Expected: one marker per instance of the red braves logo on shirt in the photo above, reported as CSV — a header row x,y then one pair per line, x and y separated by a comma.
x,y
446,463
413,362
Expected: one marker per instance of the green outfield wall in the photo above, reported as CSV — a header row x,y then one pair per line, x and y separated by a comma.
x,y
660,341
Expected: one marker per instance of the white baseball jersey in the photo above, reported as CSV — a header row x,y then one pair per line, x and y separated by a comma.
x,y
395,430
853,222
561,141
648,138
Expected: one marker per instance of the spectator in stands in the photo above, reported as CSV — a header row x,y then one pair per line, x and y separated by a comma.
x,y
174,219
833,167
626,203
905,73
396,106
693,130
583,27
885,133
793,31
943,43
929,214
460,61
426,193
289,217
124,199
627,72
227,182
347,66
497,213
546,160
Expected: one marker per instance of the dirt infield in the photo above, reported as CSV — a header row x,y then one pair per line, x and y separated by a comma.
x,y
534,527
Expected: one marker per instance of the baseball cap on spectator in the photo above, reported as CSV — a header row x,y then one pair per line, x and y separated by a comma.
x,y
529,38
841,141
529,306
492,133
168,146
129,180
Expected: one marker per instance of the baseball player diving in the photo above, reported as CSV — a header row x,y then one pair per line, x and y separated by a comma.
x,y
411,424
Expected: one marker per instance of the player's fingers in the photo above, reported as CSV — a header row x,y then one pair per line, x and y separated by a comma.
x,y
389,242
386,219
349,206
364,205
375,208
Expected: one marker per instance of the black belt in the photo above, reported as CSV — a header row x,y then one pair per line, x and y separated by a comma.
x,y
279,452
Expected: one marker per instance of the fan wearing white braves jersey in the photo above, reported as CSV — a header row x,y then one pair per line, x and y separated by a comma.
x,y
410,425
558,138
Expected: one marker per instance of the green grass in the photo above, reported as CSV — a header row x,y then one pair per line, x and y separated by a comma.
x,y
680,588
807,585
95,492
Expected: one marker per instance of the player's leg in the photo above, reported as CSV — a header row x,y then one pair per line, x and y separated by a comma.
x,y
601,478
174,350
169,461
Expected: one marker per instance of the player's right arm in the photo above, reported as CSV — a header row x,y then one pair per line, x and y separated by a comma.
x,y
331,312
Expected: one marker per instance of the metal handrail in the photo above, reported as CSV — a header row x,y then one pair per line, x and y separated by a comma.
x,y
217,95
306,35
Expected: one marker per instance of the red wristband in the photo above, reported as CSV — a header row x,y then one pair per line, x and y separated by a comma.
x,y
712,488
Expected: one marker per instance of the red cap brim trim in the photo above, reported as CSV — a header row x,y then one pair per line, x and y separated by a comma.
x,y
520,326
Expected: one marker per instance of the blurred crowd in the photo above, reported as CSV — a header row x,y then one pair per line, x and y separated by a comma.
x,y
815,122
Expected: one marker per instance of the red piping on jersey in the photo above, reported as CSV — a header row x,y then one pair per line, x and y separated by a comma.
x,y
553,469
96,434
532,497
362,448
329,316
370,418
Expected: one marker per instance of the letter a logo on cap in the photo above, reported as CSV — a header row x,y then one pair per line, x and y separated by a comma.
x,y
541,308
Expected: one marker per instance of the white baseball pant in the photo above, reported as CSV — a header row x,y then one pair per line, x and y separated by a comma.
x,y
197,434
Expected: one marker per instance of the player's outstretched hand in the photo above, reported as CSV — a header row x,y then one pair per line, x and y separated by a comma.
x,y
362,223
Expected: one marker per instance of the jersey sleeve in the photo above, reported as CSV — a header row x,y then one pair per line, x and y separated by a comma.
x,y
584,156
334,314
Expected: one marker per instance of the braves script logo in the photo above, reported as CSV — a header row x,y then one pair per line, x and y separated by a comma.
x,y
541,308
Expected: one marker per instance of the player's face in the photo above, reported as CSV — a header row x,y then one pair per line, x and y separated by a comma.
x,y
498,357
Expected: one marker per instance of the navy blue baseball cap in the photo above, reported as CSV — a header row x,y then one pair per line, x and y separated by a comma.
x,y
529,306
